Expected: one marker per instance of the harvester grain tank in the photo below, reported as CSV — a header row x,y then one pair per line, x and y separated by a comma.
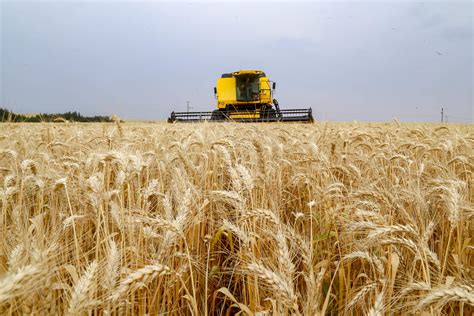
x,y
245,96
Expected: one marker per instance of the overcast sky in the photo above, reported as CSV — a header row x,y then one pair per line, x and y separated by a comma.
x,y
368,61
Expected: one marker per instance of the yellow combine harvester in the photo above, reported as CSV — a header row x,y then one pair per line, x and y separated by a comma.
x,y
245,96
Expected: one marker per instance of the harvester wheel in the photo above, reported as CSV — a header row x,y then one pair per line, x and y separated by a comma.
x,y
277,108
272,113
217,115
268,114
172,118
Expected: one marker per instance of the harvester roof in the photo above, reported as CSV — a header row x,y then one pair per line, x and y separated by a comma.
x,y
248,72
258,73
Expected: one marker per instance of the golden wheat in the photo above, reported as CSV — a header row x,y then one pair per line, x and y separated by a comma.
x,y
263,219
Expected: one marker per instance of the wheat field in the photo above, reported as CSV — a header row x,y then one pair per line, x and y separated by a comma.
x,y
221,219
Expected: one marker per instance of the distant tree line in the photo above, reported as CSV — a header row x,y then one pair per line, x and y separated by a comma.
x,y
8,116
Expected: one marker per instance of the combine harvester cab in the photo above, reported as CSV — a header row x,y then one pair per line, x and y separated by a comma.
x,y
245,96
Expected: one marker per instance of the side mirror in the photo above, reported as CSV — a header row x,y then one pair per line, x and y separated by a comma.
x,y
215,90
274,85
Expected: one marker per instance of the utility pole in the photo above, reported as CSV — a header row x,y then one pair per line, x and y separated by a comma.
x,y
187,107
442,115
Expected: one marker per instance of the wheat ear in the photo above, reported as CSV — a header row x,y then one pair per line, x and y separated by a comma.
x,y
80,294
143,275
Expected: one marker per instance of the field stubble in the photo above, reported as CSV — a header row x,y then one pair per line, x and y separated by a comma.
x,y
222,218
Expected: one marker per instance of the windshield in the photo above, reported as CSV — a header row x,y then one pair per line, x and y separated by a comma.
x,y
248,88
